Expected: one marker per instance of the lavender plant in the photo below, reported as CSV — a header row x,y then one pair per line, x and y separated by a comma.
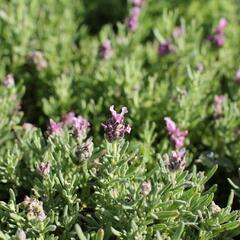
x,y
66,171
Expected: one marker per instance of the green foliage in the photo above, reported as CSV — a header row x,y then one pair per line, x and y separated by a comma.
x,y
124,189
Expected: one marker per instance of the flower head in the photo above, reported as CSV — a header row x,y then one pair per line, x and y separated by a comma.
x,y
9,81
85,150
80,126
221,25
105,51
115,127
68,118
237,76
54,128
166,48
175,134
37,59
28,126
215,208
200,67
146,188
43,168
217,37
34,208
218,105
177,160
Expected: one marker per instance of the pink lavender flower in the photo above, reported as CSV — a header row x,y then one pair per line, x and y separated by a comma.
x,y
68,118
105,51
221,25
115,127
54,128
237,76
177,160
217,38
137,3
80,126
166,48
43,168
133,19
218,105
9,81
34,208
176,136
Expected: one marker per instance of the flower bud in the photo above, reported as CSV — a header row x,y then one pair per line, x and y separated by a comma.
x,y
146,188
20,235
215,208
37,59
43,168
85,151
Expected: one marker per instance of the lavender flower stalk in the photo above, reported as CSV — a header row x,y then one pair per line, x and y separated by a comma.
x,y
217,38
115,127
146,188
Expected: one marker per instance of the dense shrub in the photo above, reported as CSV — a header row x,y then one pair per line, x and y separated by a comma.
x,y
174,64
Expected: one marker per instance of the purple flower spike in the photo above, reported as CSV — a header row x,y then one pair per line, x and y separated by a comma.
x,y
166,48
237,76
8,81
217,38
176,136
218,105
177,160
115,127
105,51
43,168
54,128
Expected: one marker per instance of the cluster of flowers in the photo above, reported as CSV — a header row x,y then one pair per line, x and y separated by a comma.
x,y
177,137
132,22
34,208
217,37
79,125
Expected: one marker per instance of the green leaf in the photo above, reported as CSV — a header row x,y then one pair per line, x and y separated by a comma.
x,y
179,232
79,232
